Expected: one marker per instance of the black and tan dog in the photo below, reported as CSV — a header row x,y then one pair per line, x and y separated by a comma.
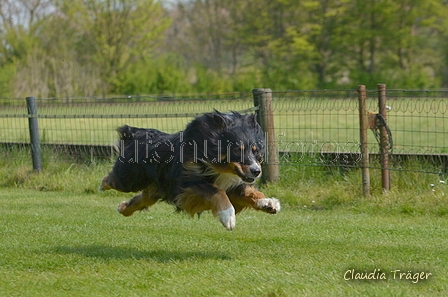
x,y
211,165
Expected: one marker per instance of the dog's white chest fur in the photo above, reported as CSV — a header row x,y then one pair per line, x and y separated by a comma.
x,y
227,181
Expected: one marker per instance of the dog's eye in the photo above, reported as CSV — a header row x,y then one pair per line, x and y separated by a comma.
x,y
255,150
237,151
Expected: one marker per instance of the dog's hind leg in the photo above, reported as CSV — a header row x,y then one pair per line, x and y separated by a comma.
x,y
139,202
108,182
104,185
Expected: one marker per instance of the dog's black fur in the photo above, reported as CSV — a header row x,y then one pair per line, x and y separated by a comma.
x,y
212,164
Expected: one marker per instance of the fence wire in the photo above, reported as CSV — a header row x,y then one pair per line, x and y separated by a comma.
x,y
312,128
419,125
317,127
87,126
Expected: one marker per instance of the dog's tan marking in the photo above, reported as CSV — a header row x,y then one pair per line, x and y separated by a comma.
x,y
244,198
227,181
220,201
193,202
232,167
223,167
211,169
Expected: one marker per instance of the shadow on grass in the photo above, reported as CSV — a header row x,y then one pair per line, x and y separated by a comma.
x,y
109,252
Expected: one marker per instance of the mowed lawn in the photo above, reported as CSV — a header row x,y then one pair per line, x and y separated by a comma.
x,y
72,244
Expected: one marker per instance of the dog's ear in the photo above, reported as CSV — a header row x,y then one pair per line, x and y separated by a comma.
x,y
217,120
251,120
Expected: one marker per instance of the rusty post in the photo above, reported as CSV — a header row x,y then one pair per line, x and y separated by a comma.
x,y
265,117
384,142
363,124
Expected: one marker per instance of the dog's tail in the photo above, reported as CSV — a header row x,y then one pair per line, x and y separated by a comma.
x,y
128,135
126,132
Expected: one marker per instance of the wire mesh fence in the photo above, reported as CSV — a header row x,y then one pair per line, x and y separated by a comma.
x,y
312,128
317,127
418,123
86,126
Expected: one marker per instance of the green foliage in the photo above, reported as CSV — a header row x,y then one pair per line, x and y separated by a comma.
x,y
130,47
167,74
6,73
209,80
276,78
414,78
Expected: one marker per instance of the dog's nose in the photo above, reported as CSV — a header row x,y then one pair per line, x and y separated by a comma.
x,y
255,171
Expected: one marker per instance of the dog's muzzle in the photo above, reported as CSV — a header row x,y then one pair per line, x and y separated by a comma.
x,y
251,172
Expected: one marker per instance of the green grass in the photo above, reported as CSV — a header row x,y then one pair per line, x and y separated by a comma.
x,y
71,244
59,237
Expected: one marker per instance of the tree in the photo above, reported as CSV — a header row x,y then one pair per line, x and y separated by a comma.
x,y
388,41
20,58
114,34
63,48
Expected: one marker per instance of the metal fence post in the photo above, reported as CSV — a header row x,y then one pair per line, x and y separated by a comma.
x,y
384,142
36,153
265,117
363,123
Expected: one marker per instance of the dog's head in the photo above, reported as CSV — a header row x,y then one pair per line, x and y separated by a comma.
x,y
232,143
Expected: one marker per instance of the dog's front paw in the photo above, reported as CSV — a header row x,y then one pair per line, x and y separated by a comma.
x,y
227,218
269,205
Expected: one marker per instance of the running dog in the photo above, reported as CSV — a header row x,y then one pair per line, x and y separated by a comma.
x,y
211,165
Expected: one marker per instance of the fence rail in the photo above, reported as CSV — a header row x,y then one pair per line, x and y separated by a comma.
x,y
312,128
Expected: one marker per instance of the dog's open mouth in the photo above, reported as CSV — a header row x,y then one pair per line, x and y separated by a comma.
x,y
248,180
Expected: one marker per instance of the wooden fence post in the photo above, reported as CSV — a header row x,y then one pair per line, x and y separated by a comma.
x,y
36,153
363,123
265,117
384,141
